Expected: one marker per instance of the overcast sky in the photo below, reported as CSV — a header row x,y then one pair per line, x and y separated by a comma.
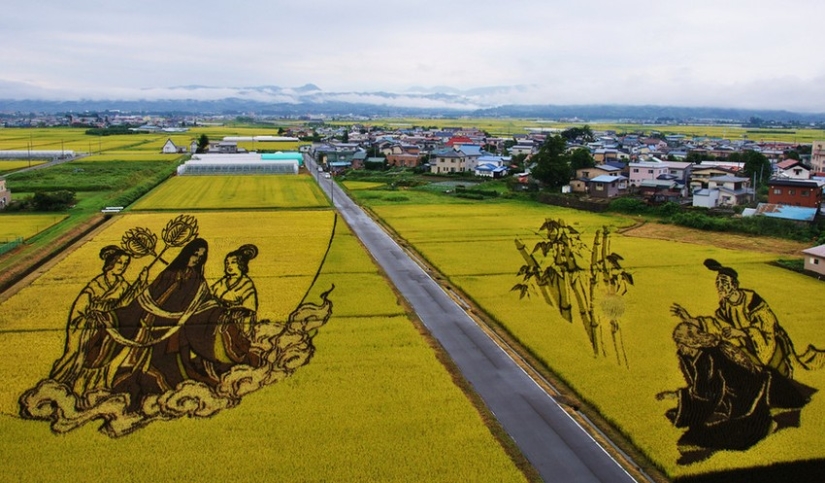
x,y
721,53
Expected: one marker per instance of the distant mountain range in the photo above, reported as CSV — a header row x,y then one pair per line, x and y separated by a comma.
x,y
424,102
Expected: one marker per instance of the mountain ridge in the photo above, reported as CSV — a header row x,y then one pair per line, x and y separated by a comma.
x,y
417,101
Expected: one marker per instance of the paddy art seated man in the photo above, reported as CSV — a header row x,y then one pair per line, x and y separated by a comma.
x,y
745,320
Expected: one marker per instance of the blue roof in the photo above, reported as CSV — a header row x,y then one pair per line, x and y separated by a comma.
x,y
283,156
786,212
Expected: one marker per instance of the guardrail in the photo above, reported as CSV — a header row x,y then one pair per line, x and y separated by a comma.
x,y
10,245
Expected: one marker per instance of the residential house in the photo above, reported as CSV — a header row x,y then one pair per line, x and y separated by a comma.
x,y
524,147
169,147
661,190
725,190
700,175
584,175
643,170
792,169
795,192
818,156
607,186
447,160
815,259
603,155
358,159
5,194
492,166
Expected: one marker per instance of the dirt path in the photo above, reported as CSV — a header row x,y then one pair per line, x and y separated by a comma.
x,y
786,248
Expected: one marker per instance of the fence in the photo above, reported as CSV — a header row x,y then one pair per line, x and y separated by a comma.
x,y
8,246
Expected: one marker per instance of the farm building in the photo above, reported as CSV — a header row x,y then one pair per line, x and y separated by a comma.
x,y
5,194
248,163
815,259
37,154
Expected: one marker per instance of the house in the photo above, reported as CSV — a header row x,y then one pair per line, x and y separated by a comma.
x,y
358,160
447,160
725,190
646,170
607,186
792,169
815,259
524,147
795,192
169,147
818,156
661,190
5,194
584,175
492,166
700,175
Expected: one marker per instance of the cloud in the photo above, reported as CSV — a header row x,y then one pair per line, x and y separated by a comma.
x,y
625,52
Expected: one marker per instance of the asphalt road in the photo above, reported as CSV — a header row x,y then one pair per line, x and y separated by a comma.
x,y
554,443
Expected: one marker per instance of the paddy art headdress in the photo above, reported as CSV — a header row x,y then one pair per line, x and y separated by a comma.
x,y
712,264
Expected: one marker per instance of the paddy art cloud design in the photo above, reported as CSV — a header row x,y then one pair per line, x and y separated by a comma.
x,y
172,345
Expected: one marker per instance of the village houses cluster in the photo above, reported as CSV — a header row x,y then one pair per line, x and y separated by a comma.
x,y
655,168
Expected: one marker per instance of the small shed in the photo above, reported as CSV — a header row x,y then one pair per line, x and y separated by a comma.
x,y
815,259
169,147
5,194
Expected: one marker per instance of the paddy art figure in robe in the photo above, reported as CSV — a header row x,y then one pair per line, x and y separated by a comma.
x,y
174,323
86,362
143,352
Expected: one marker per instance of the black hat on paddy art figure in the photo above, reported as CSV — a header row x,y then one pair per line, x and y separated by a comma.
x,y
712,264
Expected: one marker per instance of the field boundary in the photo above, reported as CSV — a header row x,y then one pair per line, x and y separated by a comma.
x,y
15,278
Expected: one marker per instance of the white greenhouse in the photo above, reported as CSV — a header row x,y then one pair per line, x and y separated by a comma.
x,y
249,163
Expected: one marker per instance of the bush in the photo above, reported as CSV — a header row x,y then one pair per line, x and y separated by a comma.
x,y
629,205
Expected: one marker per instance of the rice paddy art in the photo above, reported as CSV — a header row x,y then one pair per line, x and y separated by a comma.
x,y
572,277
738,365
168,344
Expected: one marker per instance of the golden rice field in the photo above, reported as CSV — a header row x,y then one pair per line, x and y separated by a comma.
x,y
26,225
132,155
231,192
473,245
374,403
14,165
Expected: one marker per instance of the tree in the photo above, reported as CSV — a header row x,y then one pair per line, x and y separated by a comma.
x,y
553,163
203,144
792,154
756,167
574,133
581,158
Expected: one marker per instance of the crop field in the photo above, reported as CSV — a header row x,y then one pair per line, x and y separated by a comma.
x,y
14,165
25,226
132,155
374,403
509,127
249,191
473,245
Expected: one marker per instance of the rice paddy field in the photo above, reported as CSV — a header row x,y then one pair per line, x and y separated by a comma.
x,y
232,192
373,404
26,225
14,165
473,245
